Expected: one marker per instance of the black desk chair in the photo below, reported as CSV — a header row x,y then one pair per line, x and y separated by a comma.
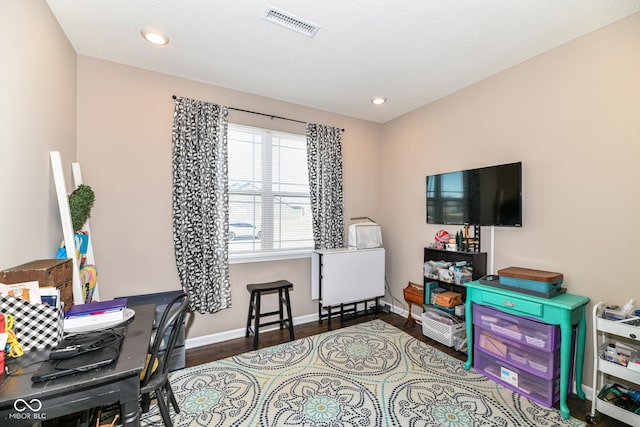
x,y
155,377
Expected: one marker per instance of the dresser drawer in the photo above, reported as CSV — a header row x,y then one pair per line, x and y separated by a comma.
x,y
61,273
544,364
66,294
513,303
546,392
527,332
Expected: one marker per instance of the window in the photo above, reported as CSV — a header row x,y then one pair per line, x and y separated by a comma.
x,y
269,204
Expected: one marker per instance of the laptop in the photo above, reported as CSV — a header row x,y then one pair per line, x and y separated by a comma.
x,y
93,350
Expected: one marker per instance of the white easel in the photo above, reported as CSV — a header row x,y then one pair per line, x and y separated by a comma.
x,y
67,228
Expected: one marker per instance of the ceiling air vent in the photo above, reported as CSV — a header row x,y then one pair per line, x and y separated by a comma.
x,y
291,22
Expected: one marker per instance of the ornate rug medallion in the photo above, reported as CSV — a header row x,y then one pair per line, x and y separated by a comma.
x,y
371,374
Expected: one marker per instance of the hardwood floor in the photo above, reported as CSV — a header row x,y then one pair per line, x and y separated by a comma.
x,y
208,353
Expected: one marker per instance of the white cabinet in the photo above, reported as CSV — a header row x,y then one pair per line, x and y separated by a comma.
x,y
605,372
341,276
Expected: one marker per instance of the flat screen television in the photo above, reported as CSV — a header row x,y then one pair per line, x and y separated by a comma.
x,y
485,196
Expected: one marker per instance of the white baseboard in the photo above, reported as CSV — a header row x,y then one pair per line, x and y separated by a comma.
x,y
400,311
239,333
588,391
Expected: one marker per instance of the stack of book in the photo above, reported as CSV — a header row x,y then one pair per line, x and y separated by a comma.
x,y
95,313
33,292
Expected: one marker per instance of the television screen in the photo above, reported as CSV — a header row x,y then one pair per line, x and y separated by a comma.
x,y
484,196
500,189
450,198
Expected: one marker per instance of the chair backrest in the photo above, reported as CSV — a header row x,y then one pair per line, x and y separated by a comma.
x,y
170,322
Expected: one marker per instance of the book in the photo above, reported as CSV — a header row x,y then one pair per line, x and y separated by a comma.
x,y
95,308
50,296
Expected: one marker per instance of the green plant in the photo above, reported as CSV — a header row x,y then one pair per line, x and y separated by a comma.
x,y
80,204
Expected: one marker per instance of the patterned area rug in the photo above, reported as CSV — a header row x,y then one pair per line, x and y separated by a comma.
x,y
371,374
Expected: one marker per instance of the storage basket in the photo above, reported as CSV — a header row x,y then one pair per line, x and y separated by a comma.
x,y
441,331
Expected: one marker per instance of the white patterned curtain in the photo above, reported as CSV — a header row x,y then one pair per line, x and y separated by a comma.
x,y
201,203
324,158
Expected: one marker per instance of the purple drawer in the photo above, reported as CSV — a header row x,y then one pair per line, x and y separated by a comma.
x,y
544,364
541,390
525,331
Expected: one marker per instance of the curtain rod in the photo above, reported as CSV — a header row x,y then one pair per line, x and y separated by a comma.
x,y
266,115
262,114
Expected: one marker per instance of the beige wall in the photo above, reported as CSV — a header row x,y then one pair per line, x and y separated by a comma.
x,y
125,116
572,116
37,115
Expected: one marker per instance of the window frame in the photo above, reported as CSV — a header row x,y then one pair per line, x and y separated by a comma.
x,y
267,254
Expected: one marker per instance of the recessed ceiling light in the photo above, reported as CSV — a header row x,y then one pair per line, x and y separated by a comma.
x,y
378,100
154,37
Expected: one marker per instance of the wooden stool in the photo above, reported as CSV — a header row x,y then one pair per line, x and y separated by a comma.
x,y
257,289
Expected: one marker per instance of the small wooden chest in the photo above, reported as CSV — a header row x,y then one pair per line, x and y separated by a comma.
x,y
48,272
528,278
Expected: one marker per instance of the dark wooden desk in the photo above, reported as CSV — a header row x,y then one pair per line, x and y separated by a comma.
x,y
23,402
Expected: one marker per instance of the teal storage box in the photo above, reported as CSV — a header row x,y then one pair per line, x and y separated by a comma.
x,y
428,291
530,279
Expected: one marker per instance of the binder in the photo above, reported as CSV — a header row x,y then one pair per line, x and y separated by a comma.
x,y
97,307
95,313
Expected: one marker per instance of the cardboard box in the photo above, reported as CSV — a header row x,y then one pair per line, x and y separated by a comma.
x,y
448,299
47,272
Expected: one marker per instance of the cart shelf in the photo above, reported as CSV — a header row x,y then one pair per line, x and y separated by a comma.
x,y
605,372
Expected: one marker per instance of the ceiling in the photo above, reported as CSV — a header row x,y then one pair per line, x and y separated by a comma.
x,y
412,52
